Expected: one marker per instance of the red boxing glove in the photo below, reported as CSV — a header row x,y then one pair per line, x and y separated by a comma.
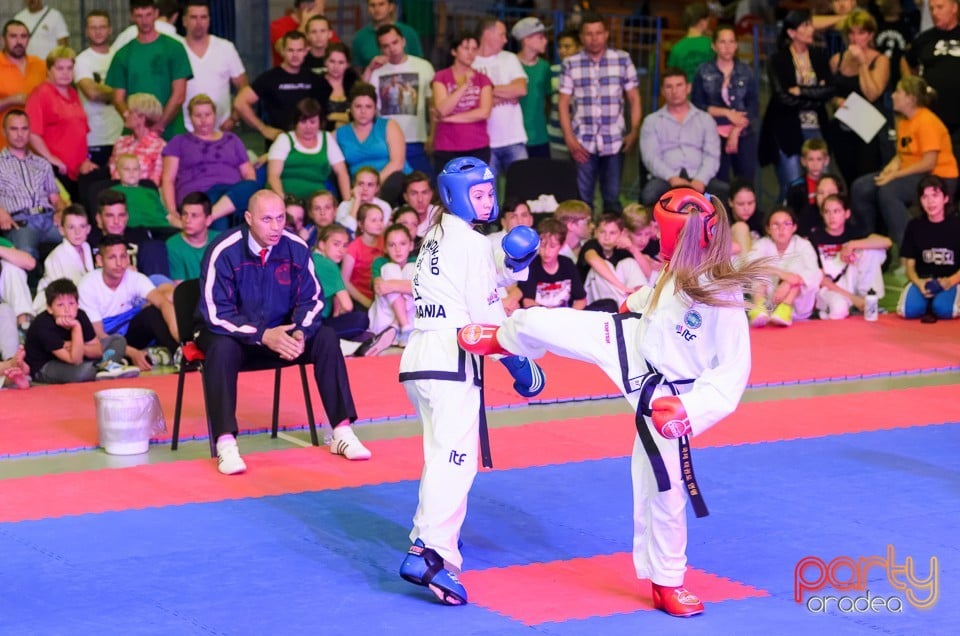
x,y
669,417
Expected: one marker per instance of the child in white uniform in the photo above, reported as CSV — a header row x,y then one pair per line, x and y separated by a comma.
x,y
852,261
680,352
455,284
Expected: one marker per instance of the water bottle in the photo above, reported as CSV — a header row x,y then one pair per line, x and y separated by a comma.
x,y
871,306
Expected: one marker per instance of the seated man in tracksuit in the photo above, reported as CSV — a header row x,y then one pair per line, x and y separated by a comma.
x,y
261,299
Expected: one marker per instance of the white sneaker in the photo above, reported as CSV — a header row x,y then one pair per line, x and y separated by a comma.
x,y
159,356
113,370
346,443
229,461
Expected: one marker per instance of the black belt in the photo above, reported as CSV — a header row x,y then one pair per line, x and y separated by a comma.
x,y
485,455
646,385
649,383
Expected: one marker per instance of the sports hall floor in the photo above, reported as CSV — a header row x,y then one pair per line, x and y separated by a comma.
x,y
847,450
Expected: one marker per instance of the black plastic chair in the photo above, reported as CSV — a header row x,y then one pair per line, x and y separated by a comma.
x,y
527,179
186,301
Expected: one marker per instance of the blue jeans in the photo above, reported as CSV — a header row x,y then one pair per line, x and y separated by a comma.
x,y
607,169
913,304
743,164
34,229
540,150
788,166
501,158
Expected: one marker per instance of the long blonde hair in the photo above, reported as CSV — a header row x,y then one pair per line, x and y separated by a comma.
x,y
708,276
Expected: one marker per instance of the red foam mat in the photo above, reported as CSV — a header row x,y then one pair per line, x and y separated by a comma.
x,y
584,588
852,348
312,469
59,418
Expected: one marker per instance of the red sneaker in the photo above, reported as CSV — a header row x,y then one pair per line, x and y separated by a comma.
x,y
480,340
676,601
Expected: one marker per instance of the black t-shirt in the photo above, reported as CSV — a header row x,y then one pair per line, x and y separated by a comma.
x,y
593,244
314,64
279,92
828,247
893,39
935,247
937,54
45,336
559,289
350,77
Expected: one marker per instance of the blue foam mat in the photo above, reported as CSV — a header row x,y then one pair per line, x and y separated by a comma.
x,y
326,561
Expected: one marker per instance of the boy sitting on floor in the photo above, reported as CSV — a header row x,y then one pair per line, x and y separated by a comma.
x,y
72,259
553,279
62,346
609,272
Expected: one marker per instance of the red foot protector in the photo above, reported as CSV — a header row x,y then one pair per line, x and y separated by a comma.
x,y
583,588
676,601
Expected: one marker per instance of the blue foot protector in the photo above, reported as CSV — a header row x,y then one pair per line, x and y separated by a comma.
x,y
527,373
423,566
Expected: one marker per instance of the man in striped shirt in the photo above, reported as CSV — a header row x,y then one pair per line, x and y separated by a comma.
x,y
28,190
597,82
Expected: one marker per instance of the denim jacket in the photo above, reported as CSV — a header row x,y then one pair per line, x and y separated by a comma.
x,y
743,91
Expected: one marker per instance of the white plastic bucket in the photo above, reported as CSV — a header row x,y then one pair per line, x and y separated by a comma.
x,y
126,420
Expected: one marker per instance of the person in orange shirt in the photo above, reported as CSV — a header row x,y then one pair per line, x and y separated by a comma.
x,y
923,147
19,73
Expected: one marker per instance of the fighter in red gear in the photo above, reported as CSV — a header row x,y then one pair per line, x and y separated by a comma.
x,y
680,353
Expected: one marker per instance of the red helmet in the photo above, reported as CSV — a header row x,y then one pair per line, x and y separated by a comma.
x,y
671,212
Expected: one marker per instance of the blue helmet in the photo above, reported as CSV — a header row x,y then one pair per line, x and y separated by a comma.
x,y
455,181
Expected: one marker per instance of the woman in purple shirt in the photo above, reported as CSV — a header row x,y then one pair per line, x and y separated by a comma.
x,y
207,160
463,99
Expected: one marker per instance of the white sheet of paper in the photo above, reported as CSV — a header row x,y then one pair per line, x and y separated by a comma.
x,y
861,116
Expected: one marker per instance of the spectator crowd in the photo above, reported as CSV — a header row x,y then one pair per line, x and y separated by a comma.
x,y
121,164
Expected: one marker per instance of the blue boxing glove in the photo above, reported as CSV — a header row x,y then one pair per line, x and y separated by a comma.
x,y
520,245
527,373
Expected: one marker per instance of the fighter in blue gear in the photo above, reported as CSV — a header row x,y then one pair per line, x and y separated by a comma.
x,y
455,284
455,182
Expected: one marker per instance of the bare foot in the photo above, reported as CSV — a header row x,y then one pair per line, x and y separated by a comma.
x,y
16,378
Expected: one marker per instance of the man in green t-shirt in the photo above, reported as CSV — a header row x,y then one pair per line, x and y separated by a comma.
x,y
529,33
365,45
695,47
185,250
152,63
